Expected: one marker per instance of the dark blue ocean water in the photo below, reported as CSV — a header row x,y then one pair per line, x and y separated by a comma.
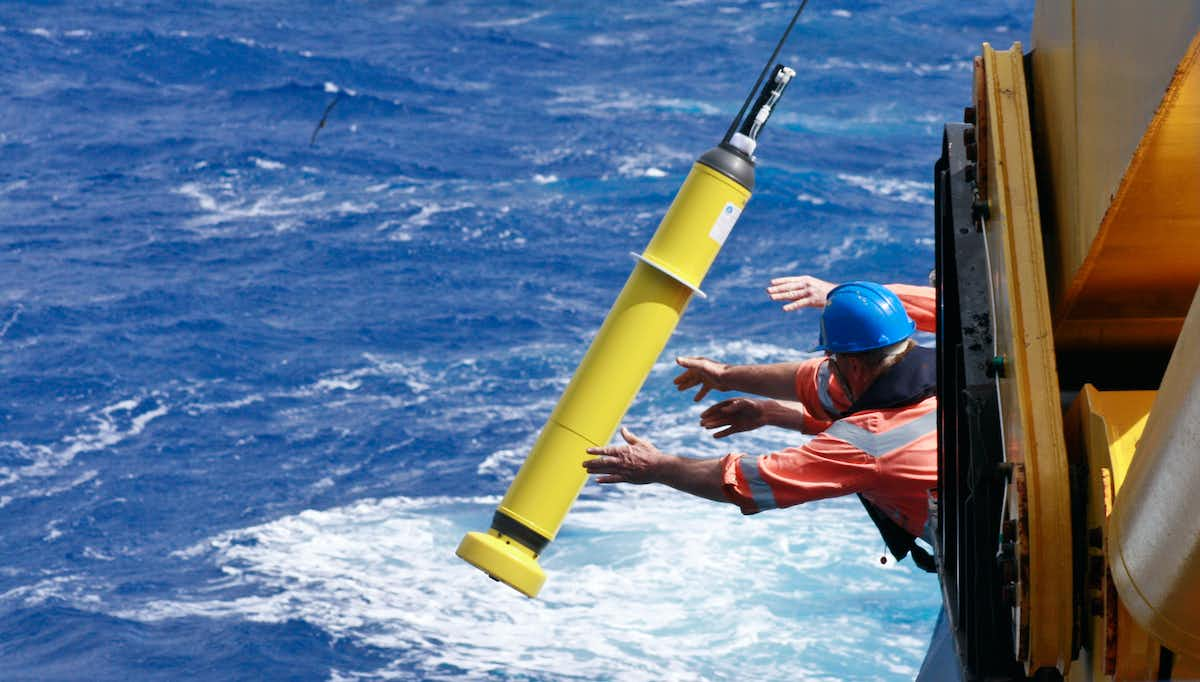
x,y
256,389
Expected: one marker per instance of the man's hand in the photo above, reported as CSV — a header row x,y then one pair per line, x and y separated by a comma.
x,y
736,414
708,374
638,462
803,291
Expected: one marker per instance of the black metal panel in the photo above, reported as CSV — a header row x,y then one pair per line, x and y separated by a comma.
x,y
970,444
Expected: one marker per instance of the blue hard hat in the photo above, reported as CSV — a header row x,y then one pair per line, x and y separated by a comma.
x,y
862,316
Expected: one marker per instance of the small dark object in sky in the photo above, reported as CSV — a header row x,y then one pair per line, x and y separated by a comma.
x,y
313,140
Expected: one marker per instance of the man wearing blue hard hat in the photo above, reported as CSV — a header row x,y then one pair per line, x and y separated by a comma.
x,y
870,403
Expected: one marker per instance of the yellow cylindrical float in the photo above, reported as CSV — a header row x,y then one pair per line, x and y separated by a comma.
x,y
612,371
1154,529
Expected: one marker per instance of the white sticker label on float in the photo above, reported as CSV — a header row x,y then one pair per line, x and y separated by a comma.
x,y
720,229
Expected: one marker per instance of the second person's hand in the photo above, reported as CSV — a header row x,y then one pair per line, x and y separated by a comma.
x,y
736,415
700,372
801,291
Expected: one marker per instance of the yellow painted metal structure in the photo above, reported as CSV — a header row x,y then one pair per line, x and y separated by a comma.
x,y
1039,491
1155,527
1103,428
1115,200
1116,89
1116,106
612,371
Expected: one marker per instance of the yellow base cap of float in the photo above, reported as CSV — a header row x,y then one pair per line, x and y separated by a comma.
x,y
503,559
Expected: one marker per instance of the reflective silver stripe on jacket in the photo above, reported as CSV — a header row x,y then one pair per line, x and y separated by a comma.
x,y
878,444
823,391
764,499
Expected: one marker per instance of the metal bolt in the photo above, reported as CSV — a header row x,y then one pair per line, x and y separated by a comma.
x,y
1005,469
969,115
969,172
972,152
969,135
980,209
995,366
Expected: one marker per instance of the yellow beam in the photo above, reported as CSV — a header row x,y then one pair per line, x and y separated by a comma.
x,y
1039,494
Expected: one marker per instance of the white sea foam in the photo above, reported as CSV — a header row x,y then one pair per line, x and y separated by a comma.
x,y
646,164
107,428
853,246
605,40
326,385
350,208
644,584
605,102
16,313
907,191
14,186
511,21
507,460
53,532
267,164
428,211
738,351
223,205
913,68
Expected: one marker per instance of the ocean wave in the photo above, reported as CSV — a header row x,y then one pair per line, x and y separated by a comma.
x,y
16,313
589,100
510,21
223,205
853,247
107,427
907,191
381,572
897,67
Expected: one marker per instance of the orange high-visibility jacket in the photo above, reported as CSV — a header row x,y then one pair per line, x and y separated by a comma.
x,y
888,454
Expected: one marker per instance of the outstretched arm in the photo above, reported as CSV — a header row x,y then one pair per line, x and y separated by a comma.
x,y
770,381
744,414
640,462
806,291
920,303
800,291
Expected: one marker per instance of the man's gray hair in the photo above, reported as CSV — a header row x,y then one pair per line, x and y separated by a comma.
x,y
879,357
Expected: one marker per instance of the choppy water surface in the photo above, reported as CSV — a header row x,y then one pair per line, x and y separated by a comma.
x,y
256,389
